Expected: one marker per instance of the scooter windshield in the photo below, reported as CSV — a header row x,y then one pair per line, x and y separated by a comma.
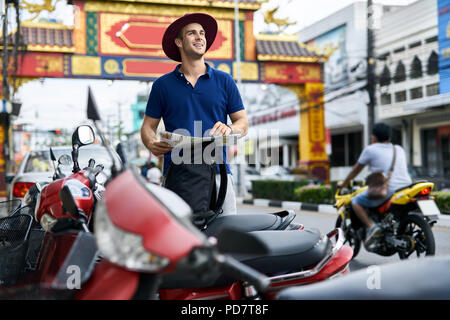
x,y
172,201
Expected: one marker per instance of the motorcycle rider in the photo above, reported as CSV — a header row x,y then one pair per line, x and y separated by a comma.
x,y
379,157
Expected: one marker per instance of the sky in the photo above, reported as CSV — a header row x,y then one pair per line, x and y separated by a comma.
x,y
61,103
307,12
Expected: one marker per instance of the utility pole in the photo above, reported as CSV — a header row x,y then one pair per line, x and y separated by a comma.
x,y
4,117
5,86
371,79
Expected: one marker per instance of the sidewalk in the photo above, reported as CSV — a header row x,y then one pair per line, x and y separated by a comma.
x,y
443,221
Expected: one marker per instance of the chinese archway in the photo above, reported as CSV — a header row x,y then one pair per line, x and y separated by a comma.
x,y
121,40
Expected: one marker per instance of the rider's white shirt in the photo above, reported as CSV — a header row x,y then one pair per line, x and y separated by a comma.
x,y
378,156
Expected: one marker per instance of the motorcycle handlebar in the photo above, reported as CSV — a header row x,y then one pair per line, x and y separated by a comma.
x,y
91,163
98,169
91,172
236,269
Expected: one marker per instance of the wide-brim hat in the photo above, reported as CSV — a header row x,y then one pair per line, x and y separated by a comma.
x,y
208,23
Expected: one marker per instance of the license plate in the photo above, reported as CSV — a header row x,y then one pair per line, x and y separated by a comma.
x,y
428,207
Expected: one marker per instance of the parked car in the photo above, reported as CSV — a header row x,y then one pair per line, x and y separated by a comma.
x,y
268,173
278,173
251,174
36,166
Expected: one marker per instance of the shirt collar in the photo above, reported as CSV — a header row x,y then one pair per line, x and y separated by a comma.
x,y
179,74
208,70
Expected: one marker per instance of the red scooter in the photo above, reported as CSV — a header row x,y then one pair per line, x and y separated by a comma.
x,y
57,236
152,233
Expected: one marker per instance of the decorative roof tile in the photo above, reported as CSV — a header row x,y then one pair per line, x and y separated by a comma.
x,y
52,37
45,37
273,47
285,50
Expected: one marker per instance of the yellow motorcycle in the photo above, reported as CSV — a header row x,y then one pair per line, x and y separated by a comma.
x,y
406,220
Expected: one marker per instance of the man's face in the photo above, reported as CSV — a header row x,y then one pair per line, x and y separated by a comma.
x,y
193,43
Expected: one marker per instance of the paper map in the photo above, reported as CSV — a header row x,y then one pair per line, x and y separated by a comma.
x,y
181,141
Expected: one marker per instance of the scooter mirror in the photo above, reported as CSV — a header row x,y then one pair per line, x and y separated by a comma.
x,y
83,135
65,160
234,241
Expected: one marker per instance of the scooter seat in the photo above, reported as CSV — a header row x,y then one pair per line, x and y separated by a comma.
x,y
251,222
288,251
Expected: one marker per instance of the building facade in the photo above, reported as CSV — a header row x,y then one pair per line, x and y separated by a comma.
x,y
341,36
344,33
411,94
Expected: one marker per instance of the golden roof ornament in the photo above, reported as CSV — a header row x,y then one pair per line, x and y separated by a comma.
x,y
326,51
37,8
282,24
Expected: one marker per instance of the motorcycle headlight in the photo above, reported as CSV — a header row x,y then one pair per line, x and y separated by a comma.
x,y
32,193
123,248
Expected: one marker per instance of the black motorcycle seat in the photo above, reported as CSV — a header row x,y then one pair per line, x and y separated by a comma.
x,y
288,251
244,223
423,279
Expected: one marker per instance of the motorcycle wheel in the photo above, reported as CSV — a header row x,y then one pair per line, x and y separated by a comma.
x,y
417,228
351,238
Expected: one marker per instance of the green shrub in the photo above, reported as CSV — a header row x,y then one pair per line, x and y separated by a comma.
x,y
317,194
276,189
442,199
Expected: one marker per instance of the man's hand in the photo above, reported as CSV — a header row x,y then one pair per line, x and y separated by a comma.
x,y
220,129
159,148
148,135
357,168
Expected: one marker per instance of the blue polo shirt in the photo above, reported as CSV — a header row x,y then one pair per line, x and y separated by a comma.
x,y
179,104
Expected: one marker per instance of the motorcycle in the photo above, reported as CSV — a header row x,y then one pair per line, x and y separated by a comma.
x,y
406,219
55,232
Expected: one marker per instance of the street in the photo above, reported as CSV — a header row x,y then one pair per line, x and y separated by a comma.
x,y
325,223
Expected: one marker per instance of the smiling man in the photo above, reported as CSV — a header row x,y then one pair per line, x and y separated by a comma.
x,y
193,93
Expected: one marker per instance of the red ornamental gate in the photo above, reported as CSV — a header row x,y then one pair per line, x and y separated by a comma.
x,y
121,40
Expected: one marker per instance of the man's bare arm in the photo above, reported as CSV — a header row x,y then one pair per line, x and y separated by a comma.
x,y
357,168
149,139
239,122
